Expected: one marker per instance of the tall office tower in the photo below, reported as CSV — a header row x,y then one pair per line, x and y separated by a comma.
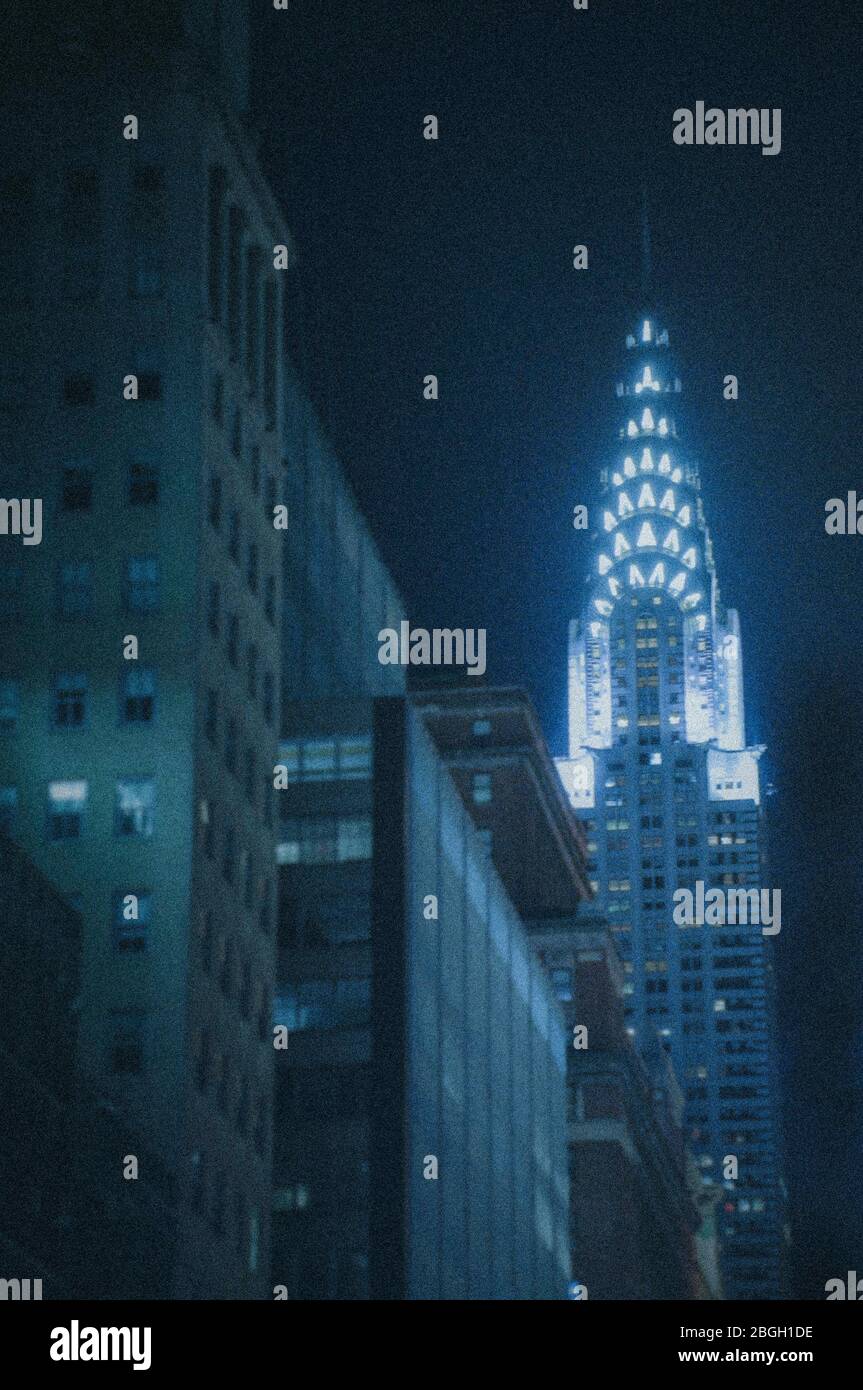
x,y
139,653
659,767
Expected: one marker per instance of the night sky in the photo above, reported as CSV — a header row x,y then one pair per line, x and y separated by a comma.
x,y
455,257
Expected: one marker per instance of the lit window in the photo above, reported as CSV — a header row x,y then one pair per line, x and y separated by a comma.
x,y
646,497
67,805
603,565
142,583
143,482
481,789
624,506
354,838
135,809
646,536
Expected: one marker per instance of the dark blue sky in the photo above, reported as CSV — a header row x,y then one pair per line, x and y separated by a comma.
x,y
455,258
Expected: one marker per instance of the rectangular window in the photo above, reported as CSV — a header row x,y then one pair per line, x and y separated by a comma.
x,y
70,701
67,806
143,482
75,585
213,607
252,671
80,233
135,809
235,288
252,566
268,696
131,919
138,695
148,223
76,494
234,640
211,717
149,386
254,257
234,535
142,583
9,692
271,353
79,389
214,510
231,745
215,241
8,809
481,789
270,598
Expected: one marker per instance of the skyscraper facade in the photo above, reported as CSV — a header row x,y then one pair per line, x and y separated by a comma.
x,y
140,656
659,768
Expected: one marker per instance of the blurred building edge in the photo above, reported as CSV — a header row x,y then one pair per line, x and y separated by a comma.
x,y
69,1216
641,1223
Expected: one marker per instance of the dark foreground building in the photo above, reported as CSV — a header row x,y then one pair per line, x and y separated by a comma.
x,y
419,1145
72,1215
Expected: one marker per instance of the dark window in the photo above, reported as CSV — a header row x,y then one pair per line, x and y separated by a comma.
x,y
70,701
213,606
149,386
215,504
79,389
127,1046
211,718
138,695
142,584
144,482
77,489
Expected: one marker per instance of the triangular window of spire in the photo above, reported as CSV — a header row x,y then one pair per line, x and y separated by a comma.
x,y
629,467
646,461
690,558
621,545
663,427
672,541
632,429
646,496
684,516
603,606
665,464
678,584
604,564
646,536
647,419
657,576
608,521
667,503
646,331
624,506
677,476
636,578
617,479
691,600
614,587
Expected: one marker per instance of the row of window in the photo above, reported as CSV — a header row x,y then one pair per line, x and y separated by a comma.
x,y
324,840
77,479
70,699
66,809
76,585
215,620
